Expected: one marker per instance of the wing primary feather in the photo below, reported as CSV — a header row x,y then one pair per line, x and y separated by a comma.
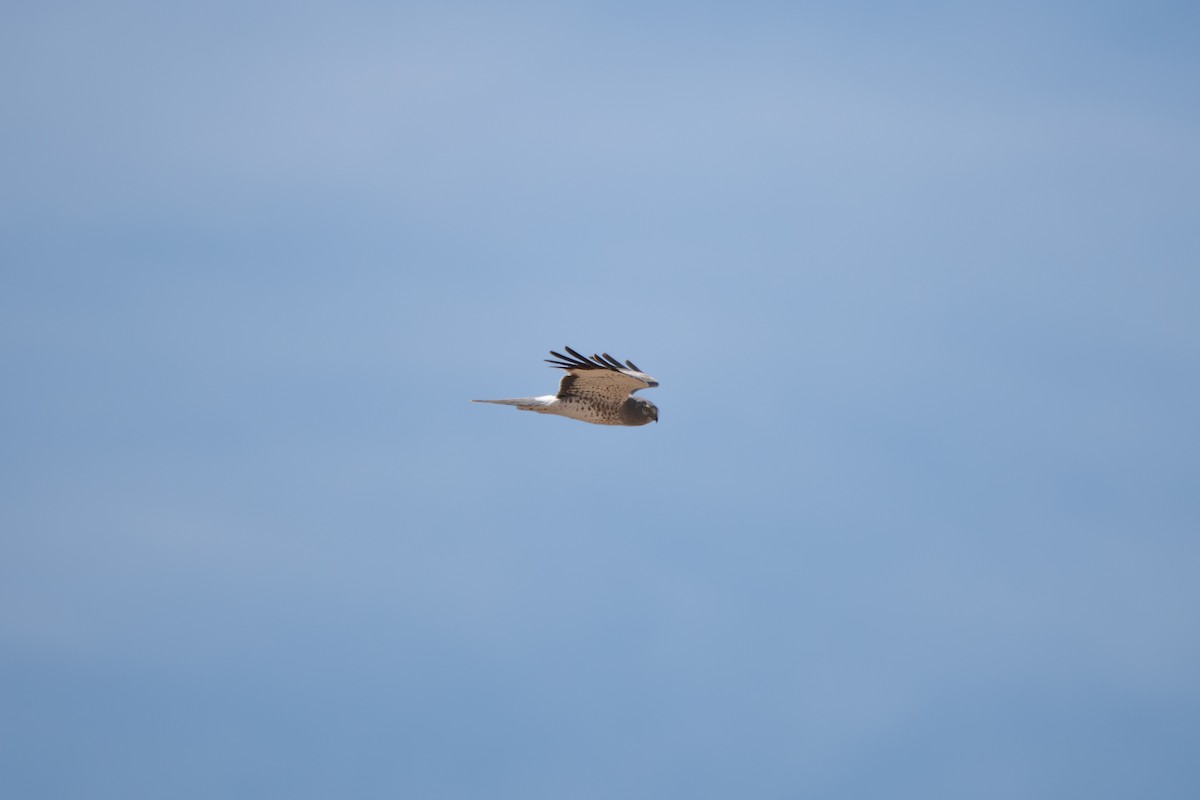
x,y
577,360
612,362
582,359
566,362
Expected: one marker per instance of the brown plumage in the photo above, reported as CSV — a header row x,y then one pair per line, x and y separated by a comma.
x,y
597,389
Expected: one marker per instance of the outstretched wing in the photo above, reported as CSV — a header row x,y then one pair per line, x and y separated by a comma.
x,y
600,375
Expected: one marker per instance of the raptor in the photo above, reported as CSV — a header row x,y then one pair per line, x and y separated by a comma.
x,y
597,389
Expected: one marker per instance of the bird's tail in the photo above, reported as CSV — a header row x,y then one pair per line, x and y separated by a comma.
x,y
524,403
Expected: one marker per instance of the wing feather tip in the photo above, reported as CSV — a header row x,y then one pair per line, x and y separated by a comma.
x,y
577,360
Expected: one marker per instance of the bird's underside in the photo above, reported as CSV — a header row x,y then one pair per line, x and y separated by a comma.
x,y
598,390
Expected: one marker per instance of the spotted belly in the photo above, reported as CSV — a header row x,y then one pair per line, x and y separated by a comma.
x,y
585,410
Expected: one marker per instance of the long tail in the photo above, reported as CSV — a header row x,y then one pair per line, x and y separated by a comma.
x,y
523,403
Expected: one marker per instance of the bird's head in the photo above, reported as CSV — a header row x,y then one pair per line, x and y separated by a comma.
x,y
639,411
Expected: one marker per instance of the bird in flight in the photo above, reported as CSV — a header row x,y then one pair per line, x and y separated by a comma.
x,y
597,390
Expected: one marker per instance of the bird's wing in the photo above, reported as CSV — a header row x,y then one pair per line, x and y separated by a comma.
x,y
599,375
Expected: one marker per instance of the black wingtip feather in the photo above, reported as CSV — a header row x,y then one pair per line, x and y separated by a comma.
x,y
567,362
582,359
611,362
577,360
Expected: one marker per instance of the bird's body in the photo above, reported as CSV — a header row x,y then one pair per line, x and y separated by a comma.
x,y
598,390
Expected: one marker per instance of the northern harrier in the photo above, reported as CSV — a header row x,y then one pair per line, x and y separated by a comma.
x,y
597,390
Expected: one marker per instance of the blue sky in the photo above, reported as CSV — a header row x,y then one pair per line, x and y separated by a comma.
x,y
919,282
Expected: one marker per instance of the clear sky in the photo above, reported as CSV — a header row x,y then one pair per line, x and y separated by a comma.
x,y
920,282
